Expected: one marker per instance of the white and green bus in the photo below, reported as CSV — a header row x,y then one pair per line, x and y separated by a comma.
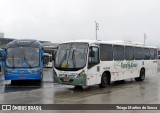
x,y
88,62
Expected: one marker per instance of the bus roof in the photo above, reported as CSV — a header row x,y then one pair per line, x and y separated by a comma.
x,y
115,42
24,43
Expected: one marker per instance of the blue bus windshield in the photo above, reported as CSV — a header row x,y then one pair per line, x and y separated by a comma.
x,y
23,57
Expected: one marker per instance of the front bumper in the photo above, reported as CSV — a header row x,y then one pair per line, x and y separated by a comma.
x,y
37,76
81,81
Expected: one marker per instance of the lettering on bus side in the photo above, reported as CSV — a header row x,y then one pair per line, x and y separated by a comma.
x,y
106,68
126,65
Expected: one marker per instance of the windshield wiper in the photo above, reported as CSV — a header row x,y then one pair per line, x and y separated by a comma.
x,y
73,58
27,62
63,59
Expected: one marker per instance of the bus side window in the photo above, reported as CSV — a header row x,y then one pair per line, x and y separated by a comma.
x,y
146,54
118,52
152,54
138,54
93,56
106,52
129,51
155,54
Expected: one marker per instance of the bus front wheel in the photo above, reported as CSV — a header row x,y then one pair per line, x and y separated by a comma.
x,y
141,76
105,81
78,87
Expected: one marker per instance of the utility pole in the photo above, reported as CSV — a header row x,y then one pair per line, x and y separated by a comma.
x,y
97,28
145,37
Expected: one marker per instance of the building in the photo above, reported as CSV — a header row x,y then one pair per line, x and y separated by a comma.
x,y
5,41
50,48
1,35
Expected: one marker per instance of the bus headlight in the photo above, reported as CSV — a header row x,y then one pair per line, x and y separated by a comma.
x,y
7,71
38,70
81,73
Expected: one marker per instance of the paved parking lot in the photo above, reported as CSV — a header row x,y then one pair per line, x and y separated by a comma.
x,y
122,92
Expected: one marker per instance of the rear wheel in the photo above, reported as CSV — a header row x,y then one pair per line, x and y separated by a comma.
x,y
105,81
141,76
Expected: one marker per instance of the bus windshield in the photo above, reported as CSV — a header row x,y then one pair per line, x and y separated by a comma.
x,y
47,58
71,56
22,57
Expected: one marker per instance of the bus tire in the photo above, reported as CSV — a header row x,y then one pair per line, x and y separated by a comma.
x,y
38,82
78,87
105,81
141,76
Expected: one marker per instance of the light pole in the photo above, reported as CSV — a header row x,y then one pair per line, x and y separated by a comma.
x,y
145,37
97,28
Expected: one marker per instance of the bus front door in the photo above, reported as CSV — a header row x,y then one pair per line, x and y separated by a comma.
x,y
93,66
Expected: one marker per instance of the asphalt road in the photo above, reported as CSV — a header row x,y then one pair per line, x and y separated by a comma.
x,y
121,92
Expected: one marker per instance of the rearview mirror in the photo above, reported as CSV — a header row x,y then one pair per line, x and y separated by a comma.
x,y
54,56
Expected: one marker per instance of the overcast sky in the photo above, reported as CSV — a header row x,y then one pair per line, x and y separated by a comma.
x,y
63,20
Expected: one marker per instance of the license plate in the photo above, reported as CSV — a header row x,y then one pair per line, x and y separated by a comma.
x,y
65,79
22,77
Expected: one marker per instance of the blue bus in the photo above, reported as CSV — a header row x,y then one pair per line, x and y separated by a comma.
x,y
1,59
23,60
